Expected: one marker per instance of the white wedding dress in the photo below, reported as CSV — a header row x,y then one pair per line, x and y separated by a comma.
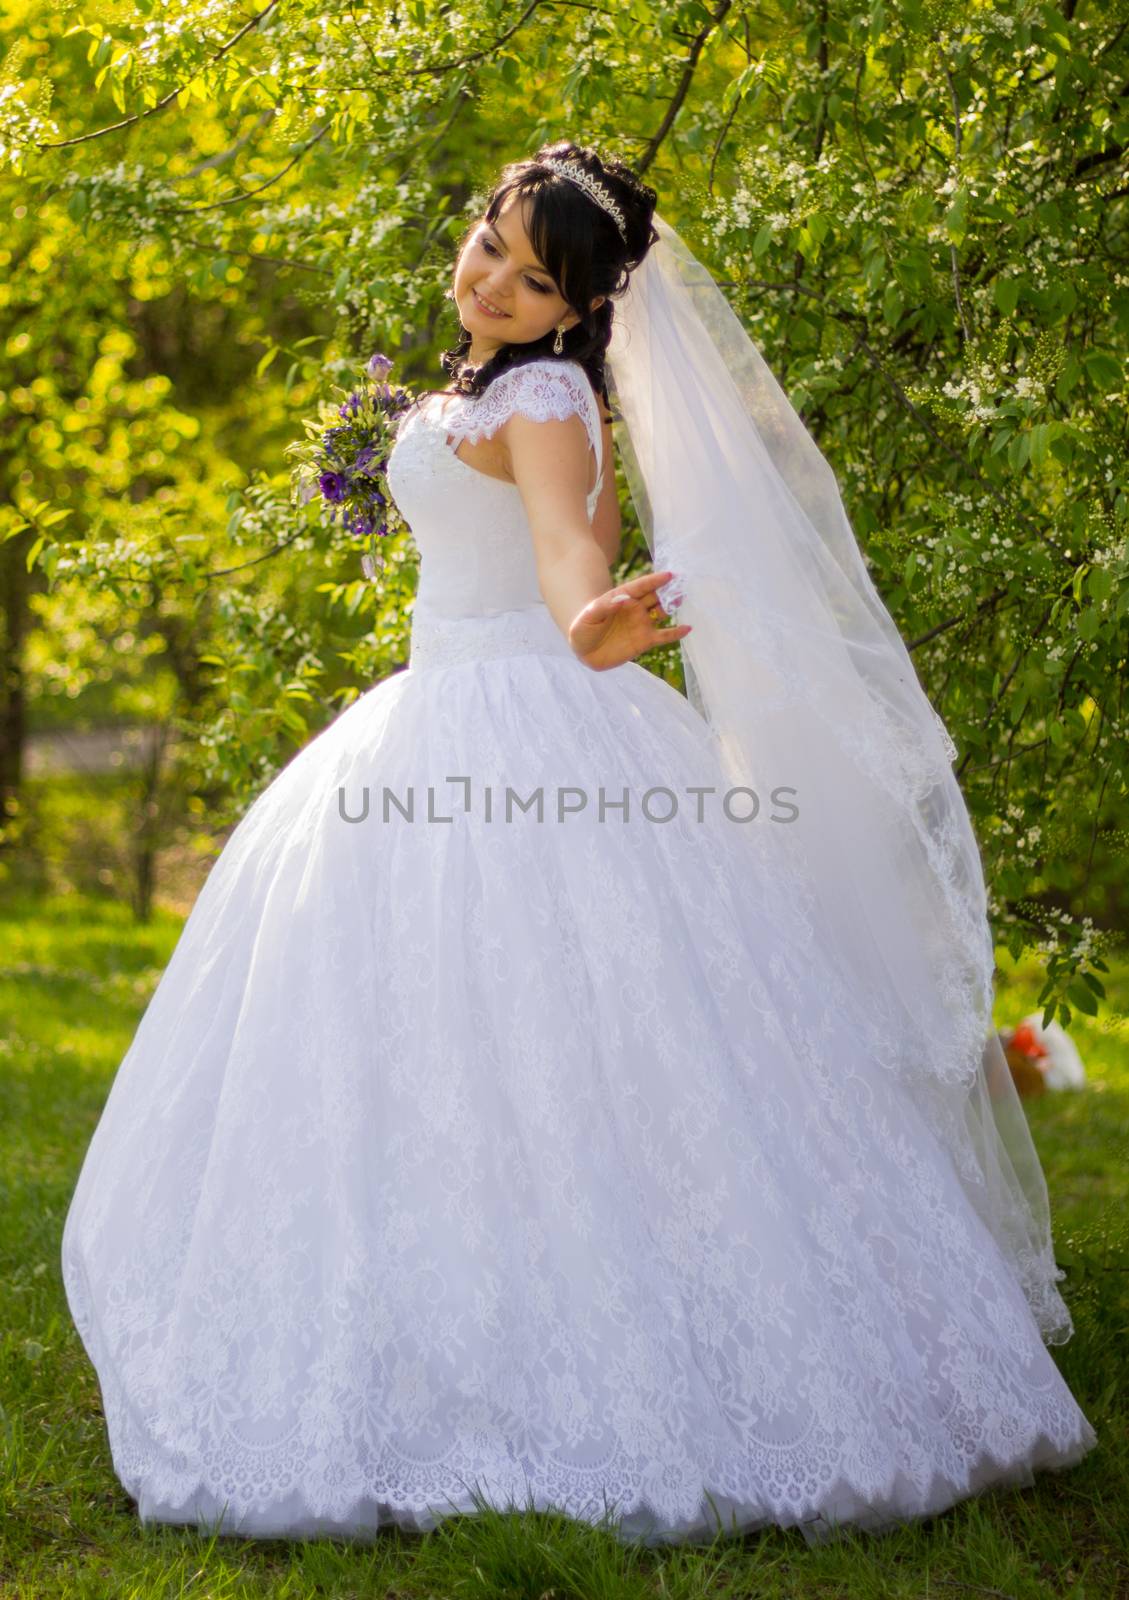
x,y
536,1158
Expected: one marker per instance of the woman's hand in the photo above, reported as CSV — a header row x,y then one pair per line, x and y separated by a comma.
x,y
622,622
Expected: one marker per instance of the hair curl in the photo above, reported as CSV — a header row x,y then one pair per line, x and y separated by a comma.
x,y
580,247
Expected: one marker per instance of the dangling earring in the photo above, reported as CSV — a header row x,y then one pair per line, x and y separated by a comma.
x,y
558,342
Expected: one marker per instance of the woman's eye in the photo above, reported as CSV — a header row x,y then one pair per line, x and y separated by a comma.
x,y
534,283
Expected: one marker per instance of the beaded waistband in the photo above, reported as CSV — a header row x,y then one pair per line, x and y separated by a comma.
x,y
450,641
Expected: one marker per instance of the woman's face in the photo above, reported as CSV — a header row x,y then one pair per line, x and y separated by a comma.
x,y
503,293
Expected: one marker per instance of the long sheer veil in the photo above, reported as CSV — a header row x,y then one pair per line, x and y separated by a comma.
x,y
807,686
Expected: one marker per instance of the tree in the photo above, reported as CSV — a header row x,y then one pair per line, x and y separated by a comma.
x,y
919,210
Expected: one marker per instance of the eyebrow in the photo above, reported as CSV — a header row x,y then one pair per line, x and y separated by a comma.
x,y
544,271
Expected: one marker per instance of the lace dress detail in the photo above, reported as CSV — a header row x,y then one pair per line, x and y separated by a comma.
x,y
492,1129
547,391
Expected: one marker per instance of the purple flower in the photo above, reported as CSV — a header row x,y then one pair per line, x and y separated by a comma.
x,y
378,364
329,440
333,485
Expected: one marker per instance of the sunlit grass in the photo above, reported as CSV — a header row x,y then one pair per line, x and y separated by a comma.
x,y
74,977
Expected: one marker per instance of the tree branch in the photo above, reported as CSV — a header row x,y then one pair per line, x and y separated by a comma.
x,y
721,138
247,194
952,247
140,116
951,622
475,55
903,399
683,87
1002,761
1020,656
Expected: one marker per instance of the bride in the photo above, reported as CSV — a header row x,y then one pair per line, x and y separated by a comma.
x,y
566,1093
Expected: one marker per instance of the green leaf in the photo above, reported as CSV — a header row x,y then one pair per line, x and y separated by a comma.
x,y
78,205
1104,368
737,88
956,217
1062,445
1083,998
1007,294
1040,441
875,269
1088,623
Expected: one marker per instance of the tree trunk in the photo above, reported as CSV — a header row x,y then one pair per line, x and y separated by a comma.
x,y
149,825
14,588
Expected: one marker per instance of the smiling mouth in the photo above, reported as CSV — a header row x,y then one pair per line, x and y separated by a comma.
x,y
485,306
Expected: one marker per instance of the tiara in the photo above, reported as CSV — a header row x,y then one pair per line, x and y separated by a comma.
x,y
597,191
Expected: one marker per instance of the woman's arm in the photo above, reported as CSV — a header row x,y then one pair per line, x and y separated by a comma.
x,y
550,465
605,624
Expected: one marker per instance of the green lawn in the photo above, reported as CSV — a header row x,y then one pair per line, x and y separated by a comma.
x,y
74,977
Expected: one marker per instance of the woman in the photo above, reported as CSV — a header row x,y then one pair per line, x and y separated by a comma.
x,y
500,1132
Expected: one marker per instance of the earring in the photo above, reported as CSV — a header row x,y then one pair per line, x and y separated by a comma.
x,y
558,342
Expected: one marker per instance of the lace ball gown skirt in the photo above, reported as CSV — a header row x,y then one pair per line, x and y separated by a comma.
x,y
539,1160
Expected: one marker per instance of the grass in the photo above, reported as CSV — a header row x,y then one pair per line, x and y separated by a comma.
x,y
75,974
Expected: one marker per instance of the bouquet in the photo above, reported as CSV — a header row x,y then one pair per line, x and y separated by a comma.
x,y
346,462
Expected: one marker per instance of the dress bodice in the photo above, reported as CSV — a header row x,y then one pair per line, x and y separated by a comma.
x,y
471,530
